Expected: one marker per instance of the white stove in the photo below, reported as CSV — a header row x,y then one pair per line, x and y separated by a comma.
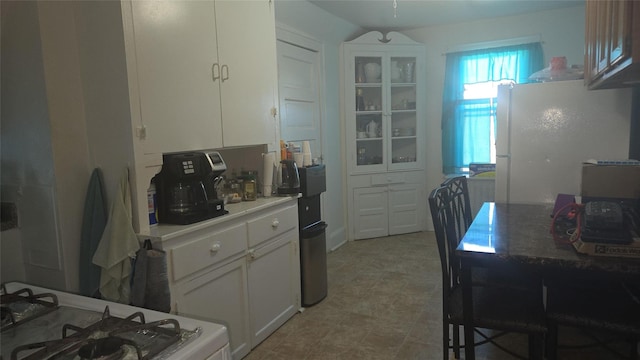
x,y
58,321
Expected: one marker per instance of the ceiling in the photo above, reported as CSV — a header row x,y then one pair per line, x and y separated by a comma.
x,y
379,14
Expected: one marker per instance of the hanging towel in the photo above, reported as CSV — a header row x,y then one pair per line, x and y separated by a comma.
x,y
93,222
150,288
118,245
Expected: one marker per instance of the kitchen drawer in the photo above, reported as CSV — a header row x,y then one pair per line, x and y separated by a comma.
x,y
272,224
388,178
208,250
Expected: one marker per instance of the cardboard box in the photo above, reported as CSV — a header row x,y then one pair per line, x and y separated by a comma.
x,y
482,170
611,181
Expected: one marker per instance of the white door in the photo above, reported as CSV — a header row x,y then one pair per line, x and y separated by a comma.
x,y
371,212
405,202
298,81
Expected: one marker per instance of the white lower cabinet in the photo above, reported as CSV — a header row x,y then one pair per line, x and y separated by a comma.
x,y
380,210
371,215
243,273
273,288
220,296
274,270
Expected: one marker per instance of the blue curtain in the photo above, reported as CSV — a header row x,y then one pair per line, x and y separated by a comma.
x,y
466,124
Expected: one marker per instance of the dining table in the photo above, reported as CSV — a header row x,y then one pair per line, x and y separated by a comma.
x,y
519,235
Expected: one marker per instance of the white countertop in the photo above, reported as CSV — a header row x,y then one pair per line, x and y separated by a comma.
x,y
163,232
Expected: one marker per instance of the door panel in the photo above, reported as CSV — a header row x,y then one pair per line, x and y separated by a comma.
x,y
370,212
298,74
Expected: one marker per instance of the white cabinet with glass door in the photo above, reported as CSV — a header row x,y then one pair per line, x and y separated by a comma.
x,y
383,122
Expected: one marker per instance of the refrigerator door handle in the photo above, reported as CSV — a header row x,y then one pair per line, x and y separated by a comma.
x,y
505,156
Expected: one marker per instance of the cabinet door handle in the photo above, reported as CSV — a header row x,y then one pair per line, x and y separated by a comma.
x,y
214,248
252,254
223,73
275,223
215,71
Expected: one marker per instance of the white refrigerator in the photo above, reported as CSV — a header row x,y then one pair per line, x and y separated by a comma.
x,y
545,131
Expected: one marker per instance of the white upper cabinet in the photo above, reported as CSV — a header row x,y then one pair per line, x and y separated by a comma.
x,y
204,71
175,51
248,64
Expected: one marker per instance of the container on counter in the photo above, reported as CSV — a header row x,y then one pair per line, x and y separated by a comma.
x,y
151,204
249,186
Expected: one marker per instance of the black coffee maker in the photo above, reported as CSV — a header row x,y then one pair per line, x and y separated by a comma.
x,y
184,189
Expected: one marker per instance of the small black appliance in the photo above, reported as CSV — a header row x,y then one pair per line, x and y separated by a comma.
x,y
185,189
288,178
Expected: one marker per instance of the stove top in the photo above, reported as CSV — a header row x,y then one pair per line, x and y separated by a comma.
x,y
38,323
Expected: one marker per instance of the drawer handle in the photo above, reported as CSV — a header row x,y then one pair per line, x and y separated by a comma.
x,y
214,248
275,223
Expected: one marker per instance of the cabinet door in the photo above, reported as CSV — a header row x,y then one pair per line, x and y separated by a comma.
x,y
370,218
407,202
365,112
175,52
403,127
247,51
220,296
383,119
274,285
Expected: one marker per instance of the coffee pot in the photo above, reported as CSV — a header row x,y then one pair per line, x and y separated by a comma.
x,y
288,178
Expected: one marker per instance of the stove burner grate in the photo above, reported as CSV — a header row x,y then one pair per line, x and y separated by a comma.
x,y
23,305
109,338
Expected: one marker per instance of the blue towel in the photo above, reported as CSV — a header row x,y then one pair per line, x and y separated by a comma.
x,y
93,222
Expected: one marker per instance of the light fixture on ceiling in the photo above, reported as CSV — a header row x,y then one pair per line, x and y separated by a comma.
x,y
395,8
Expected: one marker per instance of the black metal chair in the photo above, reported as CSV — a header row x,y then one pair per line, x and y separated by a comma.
x,y
495,306
462,218
592,305
460,203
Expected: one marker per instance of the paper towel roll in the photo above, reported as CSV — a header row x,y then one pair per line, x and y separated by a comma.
x,y
298,158
269,163
306,148
306,159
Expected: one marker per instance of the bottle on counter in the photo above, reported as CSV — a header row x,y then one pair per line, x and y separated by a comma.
x,y
151,203
249,186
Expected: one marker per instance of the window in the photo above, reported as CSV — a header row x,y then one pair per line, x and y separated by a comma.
x,y
470,99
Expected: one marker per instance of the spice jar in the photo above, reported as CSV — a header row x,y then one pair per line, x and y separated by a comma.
x,y
249,186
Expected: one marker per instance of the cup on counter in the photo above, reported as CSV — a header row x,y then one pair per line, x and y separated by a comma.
x,y
307,159
298,158
306,147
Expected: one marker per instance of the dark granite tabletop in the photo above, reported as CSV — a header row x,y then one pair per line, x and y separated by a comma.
x,y
518,233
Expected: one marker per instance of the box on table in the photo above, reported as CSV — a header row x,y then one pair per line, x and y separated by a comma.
x,y
611,181
482,170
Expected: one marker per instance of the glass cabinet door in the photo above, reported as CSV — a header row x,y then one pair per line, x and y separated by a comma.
x,y
403,124
369,105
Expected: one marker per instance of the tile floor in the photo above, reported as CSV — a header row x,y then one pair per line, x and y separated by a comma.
x,y
383,302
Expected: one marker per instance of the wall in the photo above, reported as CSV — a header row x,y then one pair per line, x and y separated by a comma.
x,y
44,147
331,31
561,32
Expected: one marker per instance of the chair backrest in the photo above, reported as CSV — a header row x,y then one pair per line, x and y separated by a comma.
x,y
446,237
460,204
